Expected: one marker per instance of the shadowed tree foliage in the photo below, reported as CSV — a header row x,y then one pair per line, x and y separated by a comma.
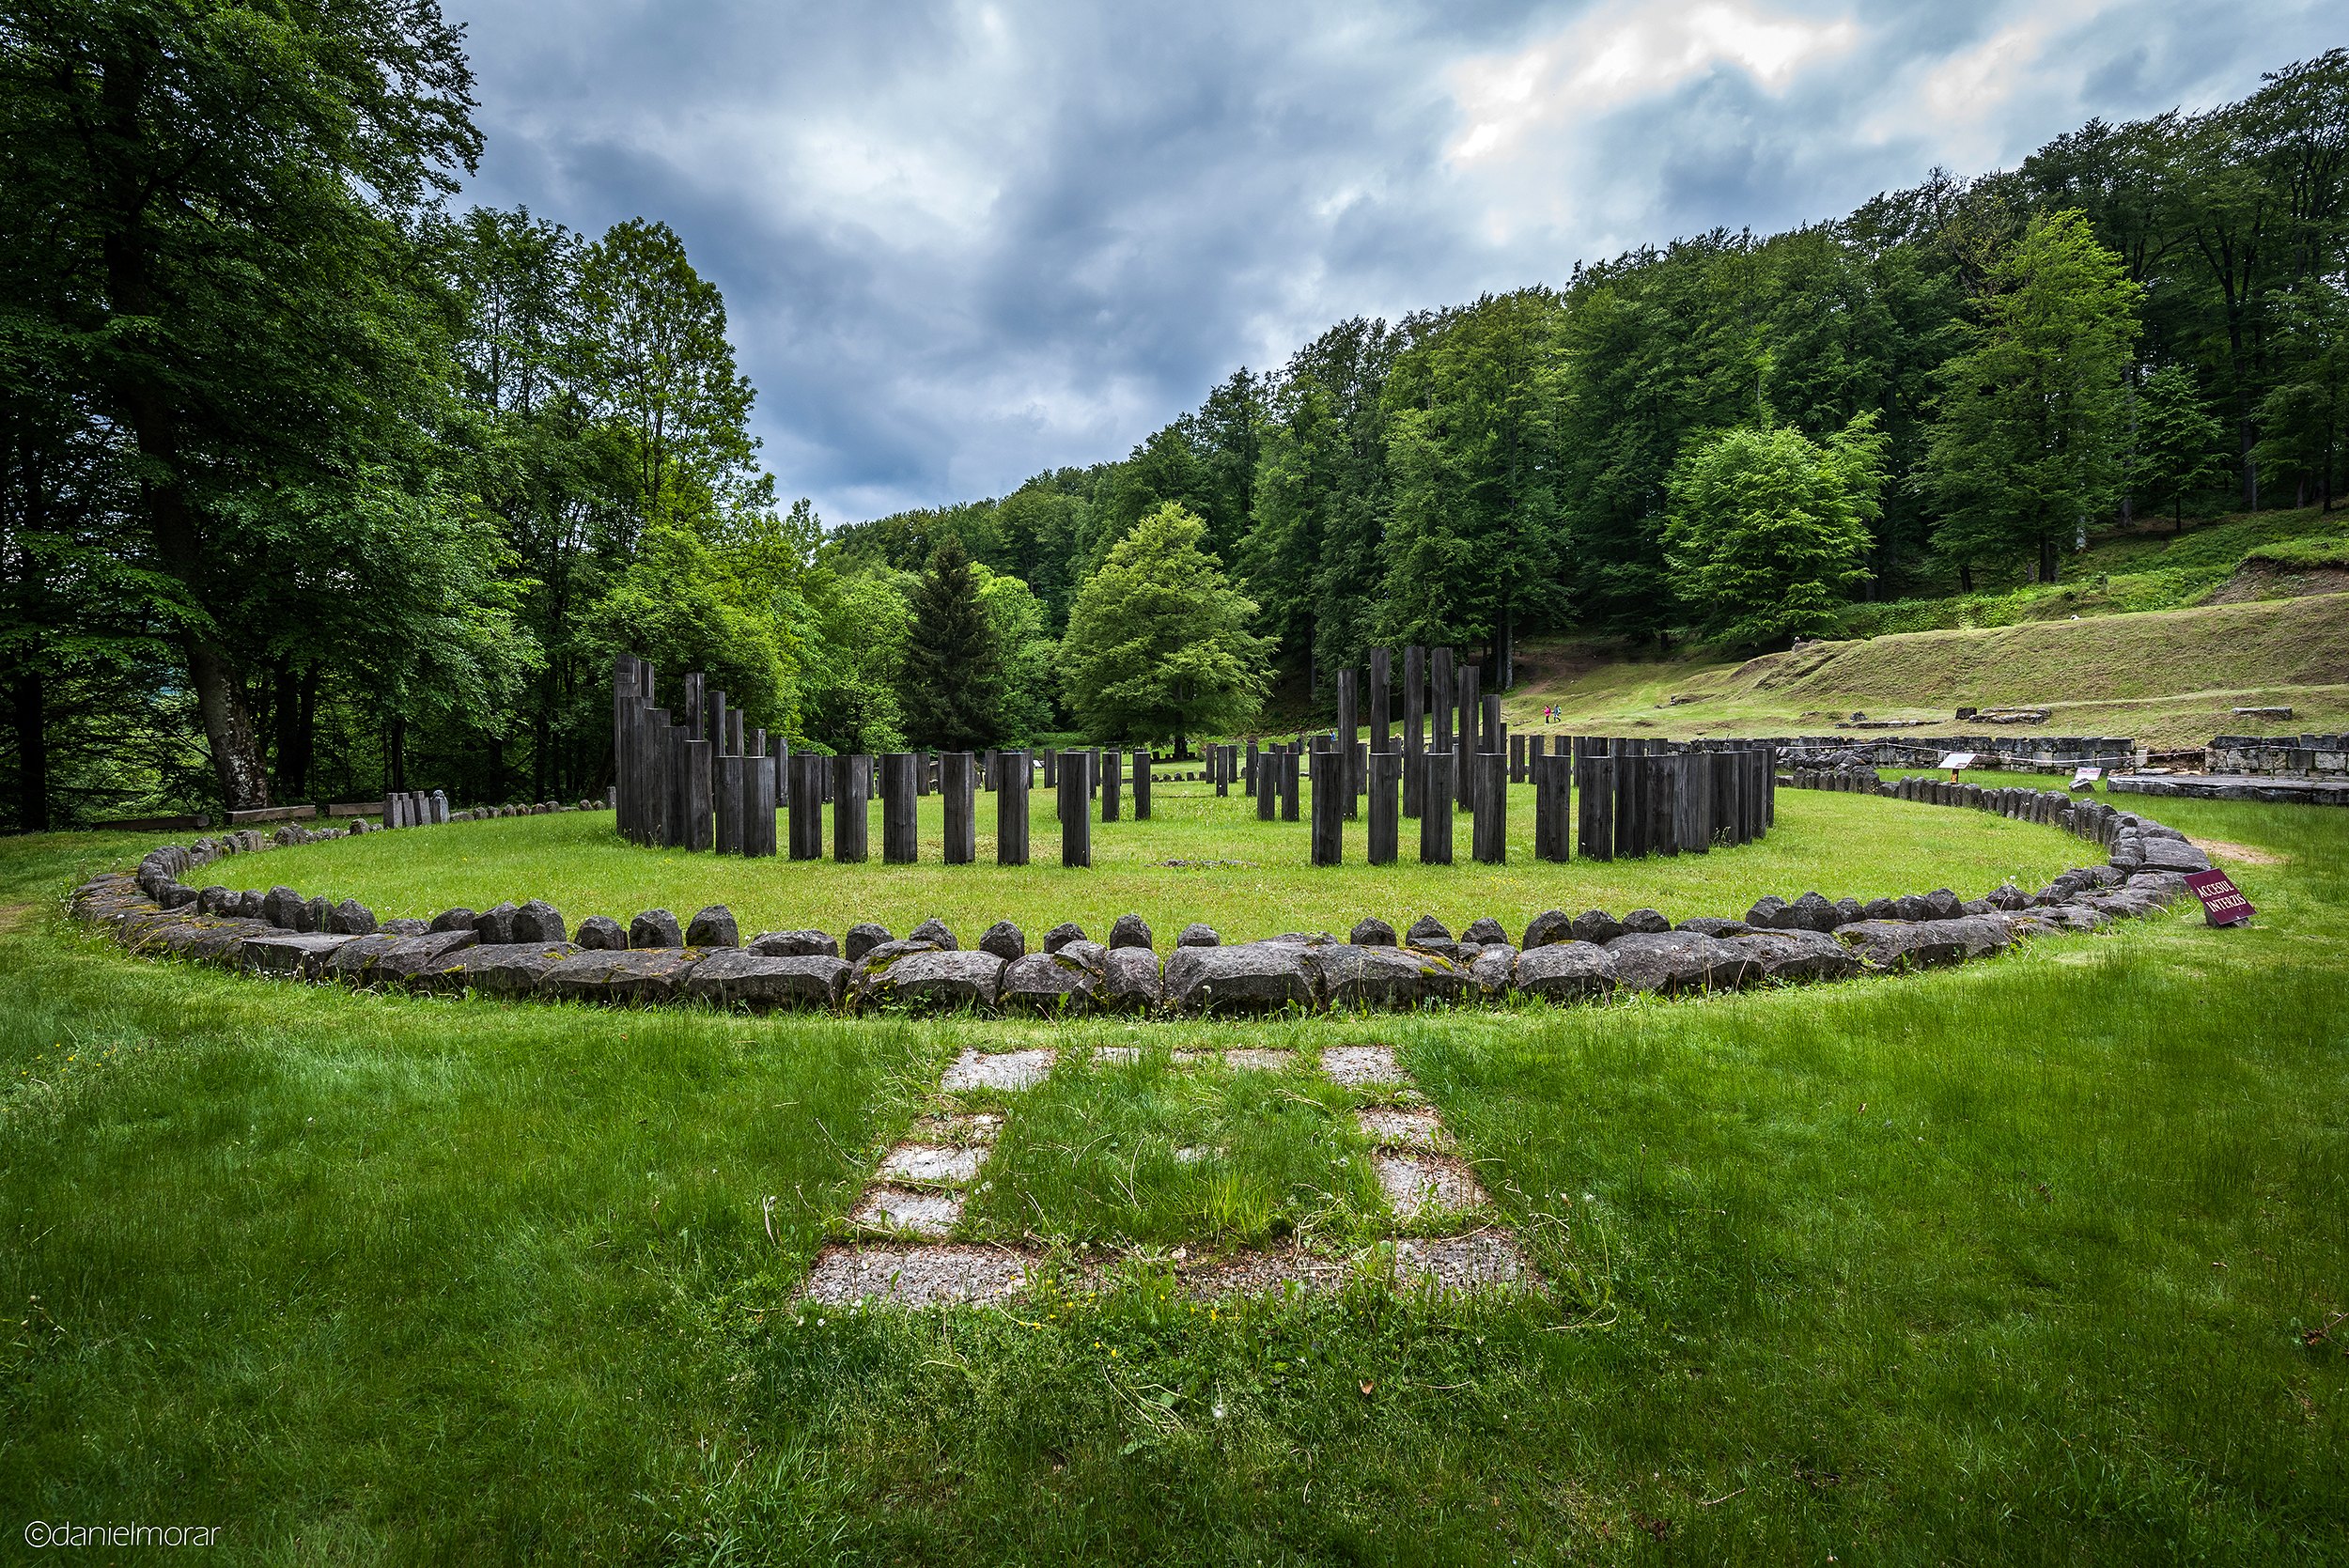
x,y
951,683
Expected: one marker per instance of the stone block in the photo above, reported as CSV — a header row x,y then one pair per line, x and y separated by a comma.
x,y
1566,971
1597,926
1900,944
1370,931
1350,976
1671,962
1646,922
647,975
713,926
538,921
653,928
927,978
495,926
732,977
861,938
1067,982
1130,931
1801,953
494,969
1248,977
1131,979
1554,925
1198,934
935,932
1003,939
289,953
795,944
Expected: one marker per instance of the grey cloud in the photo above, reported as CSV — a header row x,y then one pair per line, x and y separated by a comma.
x,y
961,243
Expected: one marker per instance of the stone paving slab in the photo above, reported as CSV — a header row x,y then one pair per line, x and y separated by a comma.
x,y
904,1209
1419,1130
1358,1067
916,1275
931,1162
1015,1069
1419,1184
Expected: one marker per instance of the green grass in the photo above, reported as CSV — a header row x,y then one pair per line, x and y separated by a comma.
x,y
578,864
2013,1263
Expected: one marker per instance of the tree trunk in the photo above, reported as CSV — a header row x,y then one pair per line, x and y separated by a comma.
x,y
1964,578
32,754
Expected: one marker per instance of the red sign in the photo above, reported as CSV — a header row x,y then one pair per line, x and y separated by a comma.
x,y
2223,904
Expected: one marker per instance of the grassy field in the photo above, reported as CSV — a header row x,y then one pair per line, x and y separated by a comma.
x,y
580,865
2167,678
2041,1260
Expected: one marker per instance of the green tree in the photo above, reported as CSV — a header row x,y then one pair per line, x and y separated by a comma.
x,y
1157,640
950,682
2305,418
2176,449
861,624
656,347
2028,443
1029,654
1769,529
217,189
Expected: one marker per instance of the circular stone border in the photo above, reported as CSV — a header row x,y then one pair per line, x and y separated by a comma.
x,y
527,951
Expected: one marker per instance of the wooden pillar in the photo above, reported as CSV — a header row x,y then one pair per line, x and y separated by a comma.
x,y
807,808
1112,778
851,788
1269,784
1292,762
1381,698
1552,789
726,803
1051,767
1434,823
1248,772
1594,783
680,771
623,710
1332,795
1517,759
1470,742
1011,808
901,838
1696,804
1075,818
1141,785
1443,687
1414,721
1349,728
1663,805
759,807
1385,775
1489,838
691,707
957,782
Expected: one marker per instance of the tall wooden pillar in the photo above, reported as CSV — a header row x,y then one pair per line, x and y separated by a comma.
x,y
956,782
1434,823
1112,769
851,790
1332,795
1011,808
759,807
727,804
807,808
1292,762
1517,759
1142,784
1594,784
1490,835
1385,769
1414,722
1381,698
901,832
1663,804
1470,741
1349,728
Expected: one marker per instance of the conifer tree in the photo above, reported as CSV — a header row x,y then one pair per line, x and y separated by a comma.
x,y
952,683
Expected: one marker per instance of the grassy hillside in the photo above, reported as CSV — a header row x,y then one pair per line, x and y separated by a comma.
x,y
2169,677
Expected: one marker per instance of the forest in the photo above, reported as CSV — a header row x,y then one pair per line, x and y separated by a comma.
x,y
319,483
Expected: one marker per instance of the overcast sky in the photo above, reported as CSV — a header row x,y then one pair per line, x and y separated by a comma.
x,y
962,243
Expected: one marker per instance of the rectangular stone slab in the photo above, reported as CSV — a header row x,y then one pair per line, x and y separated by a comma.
x,y
286,952
643,975
738,976
499,968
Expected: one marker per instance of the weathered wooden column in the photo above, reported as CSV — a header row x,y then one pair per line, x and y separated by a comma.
x,y
1489,836
901,839
1381,698
1631,823
1248,771
1442,689
1385,769
851,785
1113,770
1011,808
1049,755
1141,785
758,805
799,799
1332,795
623,707
1414,722
1493,736
1269,784
1696,804
1349,728
1434,823
680,809
1594,783
1292,764
727,804
1075,818
1517,759
957,783
1470,741
1663,804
